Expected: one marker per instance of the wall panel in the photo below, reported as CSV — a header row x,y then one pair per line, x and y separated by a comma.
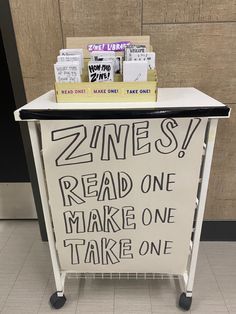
x,y
177,11
38,36
88,18
221,199
201,55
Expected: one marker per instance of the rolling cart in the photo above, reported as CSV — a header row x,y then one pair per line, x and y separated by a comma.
x,y
123,185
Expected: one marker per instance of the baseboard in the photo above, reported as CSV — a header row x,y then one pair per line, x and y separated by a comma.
x,y
16,201
219,231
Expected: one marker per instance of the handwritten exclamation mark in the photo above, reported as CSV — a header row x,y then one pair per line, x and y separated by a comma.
x,y
194,123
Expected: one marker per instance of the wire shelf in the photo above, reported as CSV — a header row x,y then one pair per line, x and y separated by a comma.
x,y
122,276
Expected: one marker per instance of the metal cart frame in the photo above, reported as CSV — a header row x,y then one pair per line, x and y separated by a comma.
x,y
212,113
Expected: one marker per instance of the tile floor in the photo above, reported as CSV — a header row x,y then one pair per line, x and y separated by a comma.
x,y
26,281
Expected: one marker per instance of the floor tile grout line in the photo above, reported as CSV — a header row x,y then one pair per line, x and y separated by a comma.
x,y
4,304
114,297
149,292
115,291
10,235
79,292
129,289
49,278
77,303
216,281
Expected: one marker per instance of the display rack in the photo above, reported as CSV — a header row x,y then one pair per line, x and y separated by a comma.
x,y
117,91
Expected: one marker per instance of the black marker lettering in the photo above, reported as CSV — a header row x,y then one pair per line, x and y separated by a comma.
x,y
171,145
109,221
128,218
107,190
166,247
125,248
68,185
168,182
139,136
88,181
94,140
114,137
74,222
95,223
146,183
69,156
125,184
74,249
107,252
92,253
146,217
144,247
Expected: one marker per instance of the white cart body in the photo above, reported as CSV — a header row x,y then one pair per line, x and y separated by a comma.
x,y
123,185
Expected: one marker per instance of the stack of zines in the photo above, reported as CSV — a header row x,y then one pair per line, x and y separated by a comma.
x,y
133,65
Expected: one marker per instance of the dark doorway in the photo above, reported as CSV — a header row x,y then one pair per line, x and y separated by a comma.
x,y
16,153
12,157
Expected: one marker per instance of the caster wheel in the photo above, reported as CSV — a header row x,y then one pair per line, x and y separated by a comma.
x,y
57,302
185,302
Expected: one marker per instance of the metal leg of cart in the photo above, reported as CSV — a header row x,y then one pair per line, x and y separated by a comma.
x,y
185,299
57,299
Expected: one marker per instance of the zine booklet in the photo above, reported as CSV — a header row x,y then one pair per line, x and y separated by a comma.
x,y
134,71
101,71
104,64
67,72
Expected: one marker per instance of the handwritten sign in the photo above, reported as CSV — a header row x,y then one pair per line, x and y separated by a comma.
x,y
123,192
